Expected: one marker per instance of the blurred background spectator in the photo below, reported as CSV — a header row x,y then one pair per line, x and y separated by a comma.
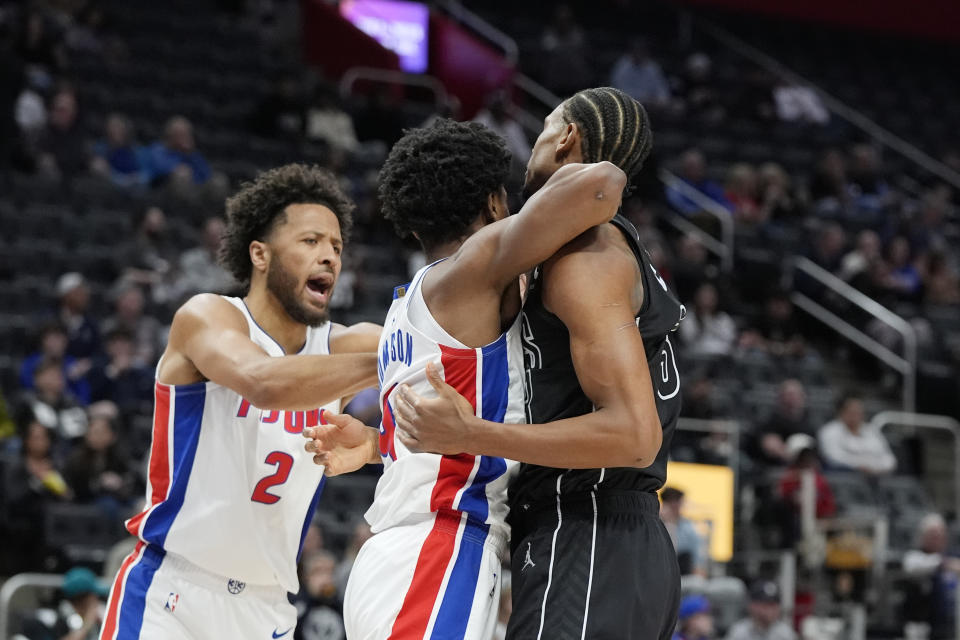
x,y
690,545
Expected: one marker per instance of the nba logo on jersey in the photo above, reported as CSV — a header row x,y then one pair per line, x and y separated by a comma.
x,y
172,601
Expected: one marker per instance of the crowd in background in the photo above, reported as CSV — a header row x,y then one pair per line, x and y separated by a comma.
x,y
75,425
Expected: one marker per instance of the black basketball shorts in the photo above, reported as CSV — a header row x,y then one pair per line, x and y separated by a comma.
x,y
598,566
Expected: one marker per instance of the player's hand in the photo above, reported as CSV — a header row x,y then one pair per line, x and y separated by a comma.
x,y
437,425
342,445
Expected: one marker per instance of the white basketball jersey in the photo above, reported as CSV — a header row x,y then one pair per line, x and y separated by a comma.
x,y
231,488
416,485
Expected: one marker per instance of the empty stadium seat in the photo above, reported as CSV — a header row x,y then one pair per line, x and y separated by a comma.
x,y
81,533
853,493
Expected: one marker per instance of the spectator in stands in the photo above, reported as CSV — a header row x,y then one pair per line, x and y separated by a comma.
x,y
53,346
40,46
707,330
83,33
869,189
199,270
741,193
935,569
176,157
903,280
789,417
83,334
777,198
698,398
63,149
152,256
116,156
829,189
51,404
564,46
638,75
690,545
692,267
280,112
828,251
857,265
496,116
148,334
780,329
80,614
98,470
764,621
120,378
693,167
941,285
694,619
701,403
926,230
801,453
699,96
32,481
30,114
327,121
319,609
849,442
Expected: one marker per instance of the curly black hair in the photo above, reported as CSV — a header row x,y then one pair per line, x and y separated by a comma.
x,y
437,179
259,205
614,127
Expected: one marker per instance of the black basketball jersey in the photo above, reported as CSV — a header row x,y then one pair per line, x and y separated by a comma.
x,y
552,391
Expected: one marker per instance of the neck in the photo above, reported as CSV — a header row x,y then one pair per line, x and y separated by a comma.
x,y
269,314
442,251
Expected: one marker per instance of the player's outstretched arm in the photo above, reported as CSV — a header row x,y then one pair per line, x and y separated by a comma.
x,y
209,340
574,199
593,293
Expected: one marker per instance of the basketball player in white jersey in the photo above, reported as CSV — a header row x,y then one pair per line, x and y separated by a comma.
x,y
432,568
230,490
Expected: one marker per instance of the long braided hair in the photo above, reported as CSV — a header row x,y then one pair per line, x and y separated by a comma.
x,y
614,127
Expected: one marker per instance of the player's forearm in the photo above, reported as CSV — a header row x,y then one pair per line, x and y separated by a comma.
x,y
598,439
299,383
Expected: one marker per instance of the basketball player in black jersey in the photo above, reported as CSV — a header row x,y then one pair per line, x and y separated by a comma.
x,y
591,558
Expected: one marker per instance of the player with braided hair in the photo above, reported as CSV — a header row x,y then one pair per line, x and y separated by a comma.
x,y
432,567
591,558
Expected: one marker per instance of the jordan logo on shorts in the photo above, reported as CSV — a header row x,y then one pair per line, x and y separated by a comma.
x,y
172,601
528,561
235,586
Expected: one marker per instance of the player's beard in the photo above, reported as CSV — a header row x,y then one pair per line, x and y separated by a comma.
x,y
283,285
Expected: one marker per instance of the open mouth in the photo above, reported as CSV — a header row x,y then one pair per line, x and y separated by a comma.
x,y
319,287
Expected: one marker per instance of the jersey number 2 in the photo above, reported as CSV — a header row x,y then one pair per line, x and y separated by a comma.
x,y
284,462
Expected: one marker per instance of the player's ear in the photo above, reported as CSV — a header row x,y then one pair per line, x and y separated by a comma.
x,y
494,208
259,255
568,145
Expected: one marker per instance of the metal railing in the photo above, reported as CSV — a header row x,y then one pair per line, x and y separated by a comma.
x,y
906,364
838,107
17,583
386,76
482,28
916,421
709,206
